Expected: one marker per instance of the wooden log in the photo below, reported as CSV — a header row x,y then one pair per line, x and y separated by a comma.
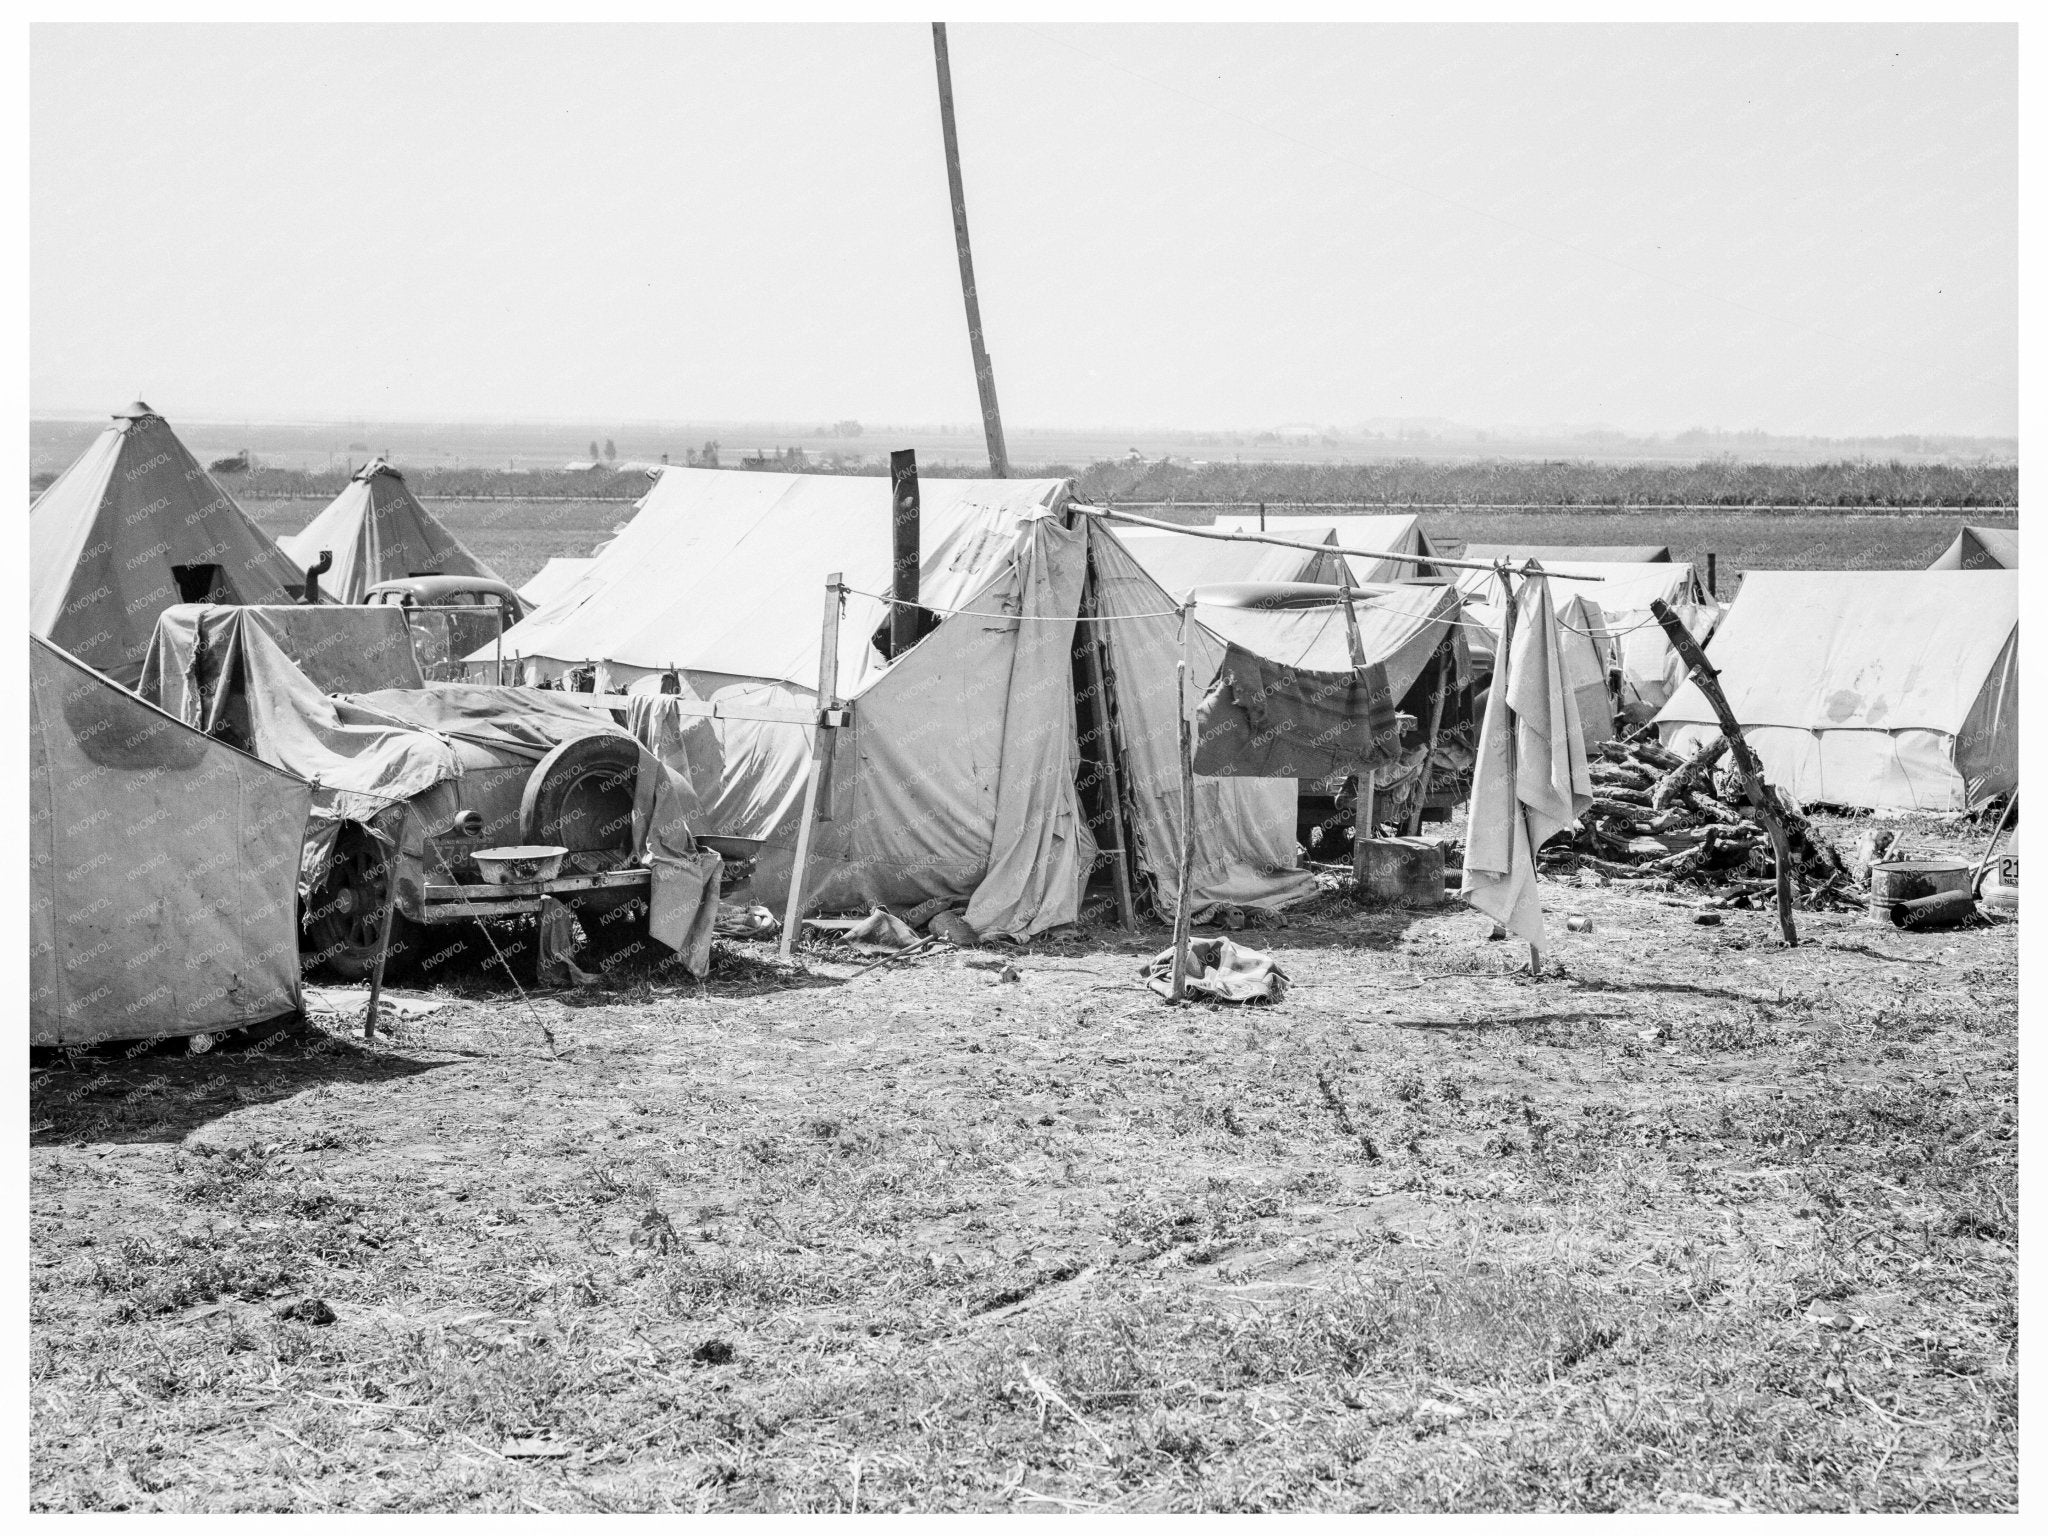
x,y
1688,773
1638,797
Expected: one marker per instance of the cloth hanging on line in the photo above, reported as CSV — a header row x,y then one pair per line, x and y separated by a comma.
x,y
1262,719
1530,781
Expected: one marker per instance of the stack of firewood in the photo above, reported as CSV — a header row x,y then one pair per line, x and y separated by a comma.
x,y
1670,820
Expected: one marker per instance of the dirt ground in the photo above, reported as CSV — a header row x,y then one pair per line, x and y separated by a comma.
x,y
1692,1221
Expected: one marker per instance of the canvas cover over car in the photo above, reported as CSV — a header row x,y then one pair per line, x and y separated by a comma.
x,y
107,538
377,530
1879,689
163,868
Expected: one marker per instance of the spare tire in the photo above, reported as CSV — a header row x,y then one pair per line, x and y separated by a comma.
x,y
580,797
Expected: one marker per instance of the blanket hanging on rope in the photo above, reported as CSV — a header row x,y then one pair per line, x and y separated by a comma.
x,y
1265,720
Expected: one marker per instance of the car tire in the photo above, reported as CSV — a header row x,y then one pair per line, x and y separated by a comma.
x,y
580,797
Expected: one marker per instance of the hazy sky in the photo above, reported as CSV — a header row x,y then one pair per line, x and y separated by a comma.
x,y
1804,229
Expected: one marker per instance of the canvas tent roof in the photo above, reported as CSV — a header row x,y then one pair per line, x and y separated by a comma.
x,y
956,776
113,537
1394,532
723,571
1581,554
378,531
1981,549
553,579
1884,689
163,868
1181,562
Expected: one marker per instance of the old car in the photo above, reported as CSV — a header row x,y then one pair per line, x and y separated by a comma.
x,y
412,781
452,616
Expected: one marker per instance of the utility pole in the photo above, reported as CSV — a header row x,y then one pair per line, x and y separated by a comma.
x,y
984,371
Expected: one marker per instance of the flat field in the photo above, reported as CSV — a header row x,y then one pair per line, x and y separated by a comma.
x,y
1694,1222
517,537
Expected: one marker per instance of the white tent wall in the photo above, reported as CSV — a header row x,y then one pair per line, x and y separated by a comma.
x,y
1879,689
1245,849
553,579
163,868
955,777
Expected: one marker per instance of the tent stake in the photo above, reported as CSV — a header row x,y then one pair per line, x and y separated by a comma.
x,y
1708,681
828,690
1184,884
383,950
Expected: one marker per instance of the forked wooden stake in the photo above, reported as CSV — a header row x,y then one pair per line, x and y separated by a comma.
x,y
1708,682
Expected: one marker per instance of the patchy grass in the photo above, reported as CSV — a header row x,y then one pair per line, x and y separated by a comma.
x,y
1695,1222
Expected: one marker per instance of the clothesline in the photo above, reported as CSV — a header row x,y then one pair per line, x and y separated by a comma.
x,y
1527,568
1043,618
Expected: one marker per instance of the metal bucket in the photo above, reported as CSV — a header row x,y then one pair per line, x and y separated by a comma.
x,y
2001,891
1901,880
1404,871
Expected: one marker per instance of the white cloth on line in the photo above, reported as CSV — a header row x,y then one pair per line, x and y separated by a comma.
x,y
1530,781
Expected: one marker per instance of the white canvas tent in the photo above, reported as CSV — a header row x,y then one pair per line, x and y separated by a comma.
x,y
1581,554
955,778
1630,637
1181,562
135,525
163,868
378,531
1882,689
553,579
1981,549
1394,532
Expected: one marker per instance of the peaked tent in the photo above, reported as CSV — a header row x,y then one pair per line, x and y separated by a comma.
x,y
1579,554
1884,689
199,935
553,579
135,525
1395,532
955,778
1180,562
378,531
1981,549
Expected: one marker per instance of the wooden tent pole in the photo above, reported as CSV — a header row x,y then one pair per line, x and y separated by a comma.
x,y
1184,883
1436,720
821,745
1708,681
1098,684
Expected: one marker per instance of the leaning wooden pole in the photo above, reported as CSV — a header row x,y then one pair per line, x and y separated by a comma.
x,y
821,748
984,370
1183,894
1708,681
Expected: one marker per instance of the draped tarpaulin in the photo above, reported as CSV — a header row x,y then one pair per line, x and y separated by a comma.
x,y
163,868
954,779
1264,719
1245,851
